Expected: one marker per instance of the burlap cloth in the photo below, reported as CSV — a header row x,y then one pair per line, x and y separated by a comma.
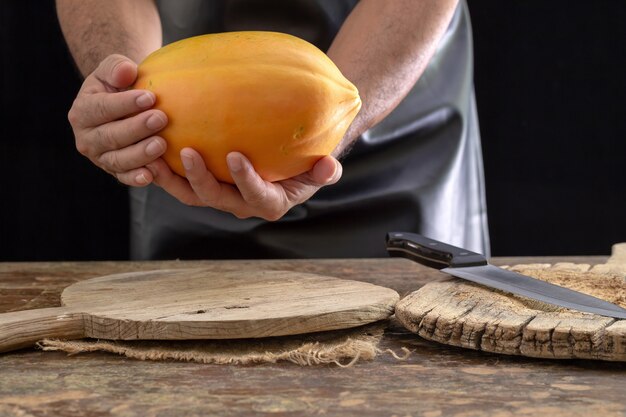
x,y
338,347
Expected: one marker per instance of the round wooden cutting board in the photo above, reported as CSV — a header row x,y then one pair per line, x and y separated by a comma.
x,y
459,313
200,304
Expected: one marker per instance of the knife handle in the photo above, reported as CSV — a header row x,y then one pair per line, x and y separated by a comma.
x,y
431,252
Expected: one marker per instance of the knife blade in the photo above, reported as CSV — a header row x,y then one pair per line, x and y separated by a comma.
x,y
474,267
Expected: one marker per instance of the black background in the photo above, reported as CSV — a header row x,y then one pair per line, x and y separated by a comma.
x,y
550,84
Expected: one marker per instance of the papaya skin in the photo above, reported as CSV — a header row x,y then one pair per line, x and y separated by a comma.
x,y
273,97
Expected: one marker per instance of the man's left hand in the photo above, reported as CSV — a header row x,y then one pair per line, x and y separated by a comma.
x,y
251,196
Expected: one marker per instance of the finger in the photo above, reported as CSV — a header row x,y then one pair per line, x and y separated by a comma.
x,y
122,133
175,185
115,73
267,200
210,191
251,186
139,177
134,156
326,171
298,189
96,109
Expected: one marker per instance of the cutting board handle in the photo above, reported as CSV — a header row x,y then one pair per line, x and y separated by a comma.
x,y
22,329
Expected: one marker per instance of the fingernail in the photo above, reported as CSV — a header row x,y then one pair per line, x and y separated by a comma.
x,y
145,100
154,148
234,162
187,161
336,175
155,122
141,179
335,172
338,172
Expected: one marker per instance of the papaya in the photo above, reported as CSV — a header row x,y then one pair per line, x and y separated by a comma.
x,y
274,97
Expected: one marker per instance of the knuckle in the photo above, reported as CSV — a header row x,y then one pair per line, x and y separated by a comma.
x,y
134,127
100,110
115,59
273,215
111,161
137,127
105,138
107,65
256,197
218,202
120,178
117,176
188,201
125,179
73,116
241,215
78,112
203,201
82,147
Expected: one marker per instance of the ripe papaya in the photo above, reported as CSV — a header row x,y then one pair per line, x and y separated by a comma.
x,y
275,98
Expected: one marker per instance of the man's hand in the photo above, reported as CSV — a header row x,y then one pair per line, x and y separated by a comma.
x,y
251,196
114,127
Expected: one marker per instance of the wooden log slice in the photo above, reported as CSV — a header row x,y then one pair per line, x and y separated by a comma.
x,y
460,313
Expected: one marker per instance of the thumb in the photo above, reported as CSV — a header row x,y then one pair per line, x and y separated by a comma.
x,y
327,171
116,72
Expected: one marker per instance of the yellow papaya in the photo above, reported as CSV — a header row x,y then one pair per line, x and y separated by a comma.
x,y
275,98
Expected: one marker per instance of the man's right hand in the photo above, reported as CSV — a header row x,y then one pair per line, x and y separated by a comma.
x,y
115,127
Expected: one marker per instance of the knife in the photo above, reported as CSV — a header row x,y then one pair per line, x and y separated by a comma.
x,y
474,267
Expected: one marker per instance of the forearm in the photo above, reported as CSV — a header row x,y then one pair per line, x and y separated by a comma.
x,y
383,48
95,29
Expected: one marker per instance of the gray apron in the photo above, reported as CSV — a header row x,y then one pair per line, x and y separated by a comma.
x,y
419,170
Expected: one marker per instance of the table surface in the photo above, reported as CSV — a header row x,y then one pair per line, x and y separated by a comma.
x,y
435,380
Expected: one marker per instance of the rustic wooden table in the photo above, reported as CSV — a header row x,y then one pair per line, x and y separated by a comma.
x,y
435,380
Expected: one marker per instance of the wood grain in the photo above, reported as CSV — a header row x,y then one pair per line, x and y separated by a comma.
x,y
459,313
435,380
180,304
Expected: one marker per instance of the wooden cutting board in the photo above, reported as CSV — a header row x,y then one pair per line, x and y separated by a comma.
x,y
200,304
459,313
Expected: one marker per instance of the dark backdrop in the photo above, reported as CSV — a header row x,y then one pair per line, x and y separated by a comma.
x,y
550,88
550,83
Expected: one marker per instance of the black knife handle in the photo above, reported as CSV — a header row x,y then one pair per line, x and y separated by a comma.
x,y
431,252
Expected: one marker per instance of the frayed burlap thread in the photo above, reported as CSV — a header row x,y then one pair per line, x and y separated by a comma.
x,y
341,347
